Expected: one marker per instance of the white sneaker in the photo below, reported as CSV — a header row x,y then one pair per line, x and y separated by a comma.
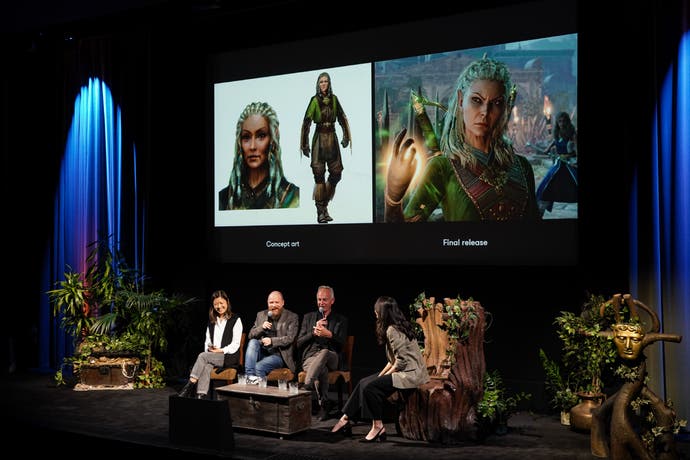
x,y
252,380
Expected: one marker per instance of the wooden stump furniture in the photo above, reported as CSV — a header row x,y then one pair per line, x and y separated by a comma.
x,y
444,409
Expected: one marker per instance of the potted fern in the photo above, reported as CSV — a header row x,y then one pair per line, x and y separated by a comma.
x,y
561,395
497,405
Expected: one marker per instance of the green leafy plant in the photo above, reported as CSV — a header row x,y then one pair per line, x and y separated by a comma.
x,y
143,319
153,377
498,404
461,318
561,395
108,312
420,302
647,426
70,300
59,378
587,353
82,296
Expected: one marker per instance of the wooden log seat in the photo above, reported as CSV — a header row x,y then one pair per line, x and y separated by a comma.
x,y
444,409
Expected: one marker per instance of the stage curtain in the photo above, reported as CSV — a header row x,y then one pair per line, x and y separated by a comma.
x,y
660,207
97,195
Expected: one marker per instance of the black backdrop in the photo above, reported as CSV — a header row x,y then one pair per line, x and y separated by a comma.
x,y
172,45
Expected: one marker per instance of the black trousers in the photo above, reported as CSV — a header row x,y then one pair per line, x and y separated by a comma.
x,y
368,398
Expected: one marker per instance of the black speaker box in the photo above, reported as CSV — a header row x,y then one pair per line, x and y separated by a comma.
x,y
201,423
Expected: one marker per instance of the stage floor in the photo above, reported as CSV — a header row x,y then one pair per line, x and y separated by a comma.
x,y
117,423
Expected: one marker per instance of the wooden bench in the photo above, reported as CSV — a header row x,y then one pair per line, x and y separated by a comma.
x,y
444,409
339,377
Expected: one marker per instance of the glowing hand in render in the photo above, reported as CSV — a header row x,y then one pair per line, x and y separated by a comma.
x,y
401,168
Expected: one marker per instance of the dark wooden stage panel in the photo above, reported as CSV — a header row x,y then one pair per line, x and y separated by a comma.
x,y
200,423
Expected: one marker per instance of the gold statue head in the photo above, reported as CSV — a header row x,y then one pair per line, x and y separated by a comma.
x,y
628,339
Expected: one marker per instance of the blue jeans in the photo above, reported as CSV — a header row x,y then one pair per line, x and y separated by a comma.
x,y
257,361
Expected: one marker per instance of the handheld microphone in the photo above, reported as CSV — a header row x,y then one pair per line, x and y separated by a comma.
x,y
270,332
323,315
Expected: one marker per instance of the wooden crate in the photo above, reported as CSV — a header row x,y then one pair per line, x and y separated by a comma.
x,y
267,409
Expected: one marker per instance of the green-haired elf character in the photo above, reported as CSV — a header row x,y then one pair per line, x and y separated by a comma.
x,y
324,110
473,173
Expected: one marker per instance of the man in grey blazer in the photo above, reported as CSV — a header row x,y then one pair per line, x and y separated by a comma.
x,y
319,343
271,339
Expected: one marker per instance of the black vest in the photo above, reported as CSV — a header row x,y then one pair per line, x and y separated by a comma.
x,y
230,359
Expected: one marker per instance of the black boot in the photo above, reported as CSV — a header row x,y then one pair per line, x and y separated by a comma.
x,y
187,390
321,213
330,191
321,201
326,215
